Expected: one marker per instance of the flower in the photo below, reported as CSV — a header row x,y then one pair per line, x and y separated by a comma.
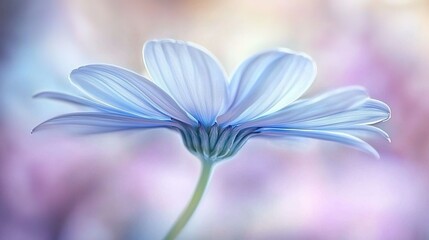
x,y
216,115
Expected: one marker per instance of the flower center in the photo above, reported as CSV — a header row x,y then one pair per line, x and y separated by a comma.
x,y
214,143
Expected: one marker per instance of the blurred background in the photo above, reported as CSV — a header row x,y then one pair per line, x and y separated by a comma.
x,y
133,185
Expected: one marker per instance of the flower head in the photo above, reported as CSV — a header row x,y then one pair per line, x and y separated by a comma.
x,y
216,115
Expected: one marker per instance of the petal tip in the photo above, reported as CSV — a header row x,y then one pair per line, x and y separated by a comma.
x,y
376,155
36,129
387,137
156,41
299,54
38,95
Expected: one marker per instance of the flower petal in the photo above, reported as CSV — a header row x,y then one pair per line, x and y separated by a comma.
x,y
126,91
76,100
334,116
341,108
365,129
190,74
266,83
339,137
95,122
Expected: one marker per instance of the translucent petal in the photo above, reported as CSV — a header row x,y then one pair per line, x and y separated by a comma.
x,y
347,118
266,83
359,129
338,137
126,91
340,108
76,100
190,75
337,116
95,122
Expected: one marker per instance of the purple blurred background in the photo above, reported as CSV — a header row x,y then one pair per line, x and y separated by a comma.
x,y
133,185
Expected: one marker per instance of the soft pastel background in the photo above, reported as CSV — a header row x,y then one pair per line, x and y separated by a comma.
x,y
133,185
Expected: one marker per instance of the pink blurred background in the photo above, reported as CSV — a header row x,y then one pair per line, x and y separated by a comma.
x,y
133,185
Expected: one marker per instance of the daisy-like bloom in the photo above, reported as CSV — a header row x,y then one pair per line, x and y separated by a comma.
x,y
216,115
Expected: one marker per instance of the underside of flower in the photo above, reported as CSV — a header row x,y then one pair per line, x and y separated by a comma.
x,y
214,143
190,92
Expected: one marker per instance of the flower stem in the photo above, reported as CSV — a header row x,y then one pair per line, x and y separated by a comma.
x,y
193,204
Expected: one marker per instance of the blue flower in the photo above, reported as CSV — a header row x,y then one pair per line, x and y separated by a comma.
x,y
191,94
216,115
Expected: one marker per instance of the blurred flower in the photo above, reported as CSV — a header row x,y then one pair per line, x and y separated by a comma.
x,y
216,116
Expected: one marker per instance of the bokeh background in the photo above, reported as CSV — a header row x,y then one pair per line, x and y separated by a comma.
x,y
133,185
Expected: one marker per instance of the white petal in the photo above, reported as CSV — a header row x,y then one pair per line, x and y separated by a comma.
x,y
76,100
95,122
189,74
334,116
126,91
338,137
340,108
266,83
359,129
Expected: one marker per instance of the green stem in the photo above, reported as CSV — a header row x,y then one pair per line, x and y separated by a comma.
x,y
193,204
